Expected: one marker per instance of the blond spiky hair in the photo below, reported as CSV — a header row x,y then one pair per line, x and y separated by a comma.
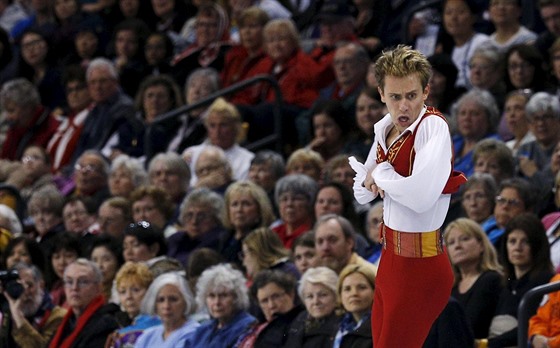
x,y
400,62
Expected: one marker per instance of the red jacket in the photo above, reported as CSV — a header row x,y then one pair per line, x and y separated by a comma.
x,y
37,132
238,66
298,79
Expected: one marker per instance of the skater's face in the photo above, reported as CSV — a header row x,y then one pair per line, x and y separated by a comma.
x,y
404,98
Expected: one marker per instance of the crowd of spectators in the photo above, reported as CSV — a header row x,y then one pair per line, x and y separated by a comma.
x,y
132,230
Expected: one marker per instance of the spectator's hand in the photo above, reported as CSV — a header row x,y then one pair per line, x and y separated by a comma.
x,y
15,310
416,27
317,143
540,341
187,156
212,180
527,166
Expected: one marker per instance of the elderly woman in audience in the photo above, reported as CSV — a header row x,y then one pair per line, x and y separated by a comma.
x,y
543,113
132,282
303,252
223,124
113,216
526,258
221,291
78,215
169,172
294,195
201,218
152,204
355,288
477,273
275,293
143,243
212,169
317,326
476,114
126,174
374,220
106,252
493,157
516,121
247,208
34,173
170,298
487,71
45,209
262,249
478,197
306,161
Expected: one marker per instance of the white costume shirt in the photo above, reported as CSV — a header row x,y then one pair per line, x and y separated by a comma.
x,y
415,203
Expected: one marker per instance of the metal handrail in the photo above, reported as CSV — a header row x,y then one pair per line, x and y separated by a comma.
x,y
276,111
522,311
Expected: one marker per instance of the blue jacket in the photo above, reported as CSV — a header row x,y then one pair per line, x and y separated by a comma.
x,y
209,336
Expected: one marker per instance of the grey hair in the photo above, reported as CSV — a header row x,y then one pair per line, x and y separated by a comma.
x,y
222,276
219,155
300,184
105,165
174,163
487,182
148,305
97,274
210,74
46,198
20,92
318,275
134,166
484,99
207,197
273,160
543,102
360,52
489,52
35,271
13,220
102,63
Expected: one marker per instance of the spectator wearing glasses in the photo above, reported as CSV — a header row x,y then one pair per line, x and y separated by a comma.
x,y
91,173
89,321
275,293
543,113
201,217
515,196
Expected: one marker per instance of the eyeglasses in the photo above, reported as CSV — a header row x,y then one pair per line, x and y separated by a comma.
x,y
87,168
541,118
200,216
32,44
80,283
512,202
30,158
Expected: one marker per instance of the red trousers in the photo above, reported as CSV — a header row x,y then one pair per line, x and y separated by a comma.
x,y
410,293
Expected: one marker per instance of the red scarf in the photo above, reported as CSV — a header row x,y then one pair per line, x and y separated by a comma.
x,y
58,341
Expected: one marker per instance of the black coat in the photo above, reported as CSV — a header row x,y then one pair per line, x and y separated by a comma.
x,y
310,333
275,334
360,338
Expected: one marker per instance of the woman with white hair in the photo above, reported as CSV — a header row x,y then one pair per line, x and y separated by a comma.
x,y
221,291
126,175
317,326
170,298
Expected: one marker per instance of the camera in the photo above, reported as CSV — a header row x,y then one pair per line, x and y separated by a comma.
x,y
9,281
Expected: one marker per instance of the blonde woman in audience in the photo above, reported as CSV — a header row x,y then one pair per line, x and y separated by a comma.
x,y
477,272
